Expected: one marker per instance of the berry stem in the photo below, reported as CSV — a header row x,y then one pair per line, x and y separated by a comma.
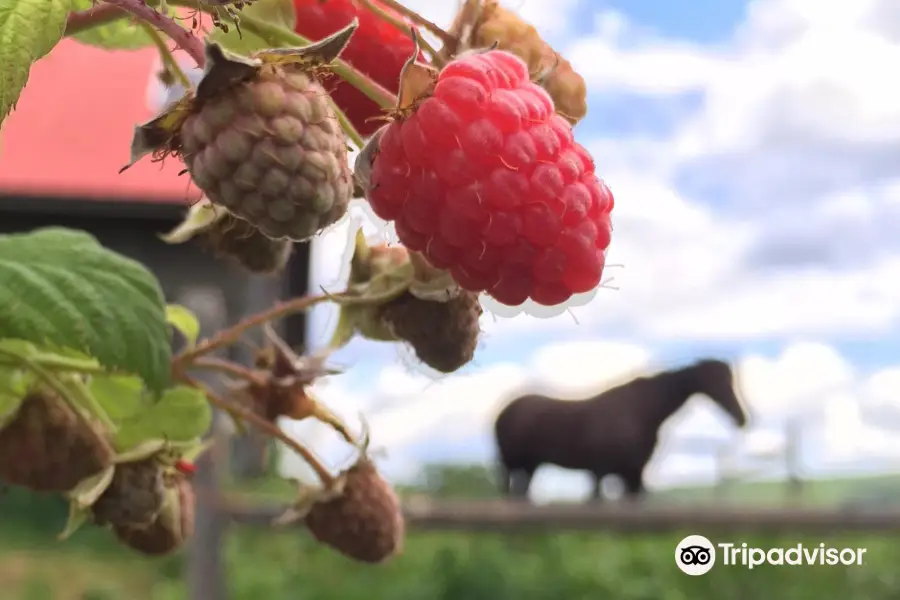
x,y
56,363
404,27
165,54
86,400
418,19
266,427
226,337
185,39
348,128
99,14
231,368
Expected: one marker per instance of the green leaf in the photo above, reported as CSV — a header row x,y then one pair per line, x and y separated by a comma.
x,y
182,414
121,396
61,287
184,321
13,388
142,450
276,12
122,34
29,29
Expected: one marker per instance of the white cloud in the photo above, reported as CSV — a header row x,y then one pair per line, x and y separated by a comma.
x,y
785,113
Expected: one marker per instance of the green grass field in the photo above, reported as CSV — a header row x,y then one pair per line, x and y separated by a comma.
x,y
821,492
439,566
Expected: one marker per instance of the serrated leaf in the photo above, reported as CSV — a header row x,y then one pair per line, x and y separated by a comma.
x,y
121,34
60,286
182,414
276,12
29,29
121,396
184,321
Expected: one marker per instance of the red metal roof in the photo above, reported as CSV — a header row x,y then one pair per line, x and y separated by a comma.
x,y
71,132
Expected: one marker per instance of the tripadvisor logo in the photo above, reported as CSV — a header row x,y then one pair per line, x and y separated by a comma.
x,y
696,555
801,554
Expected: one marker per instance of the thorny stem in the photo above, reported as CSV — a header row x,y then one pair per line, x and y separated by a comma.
x,y
418,19
266,427
185,39
99,14
226,337
402,26
231,368
169,63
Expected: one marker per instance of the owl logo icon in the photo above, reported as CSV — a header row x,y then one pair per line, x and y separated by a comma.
x,y
695,555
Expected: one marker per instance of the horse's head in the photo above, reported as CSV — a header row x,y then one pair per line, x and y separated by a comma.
x,y
715,378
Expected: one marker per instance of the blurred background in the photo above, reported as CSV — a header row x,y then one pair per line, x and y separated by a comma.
x,y
751,146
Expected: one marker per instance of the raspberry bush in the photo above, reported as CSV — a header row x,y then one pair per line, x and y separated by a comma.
x,y
466,148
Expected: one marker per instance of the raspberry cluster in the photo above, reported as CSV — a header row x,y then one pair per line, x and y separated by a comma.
x,y
486,180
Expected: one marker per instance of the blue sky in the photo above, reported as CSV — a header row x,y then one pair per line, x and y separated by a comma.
x,y
751,147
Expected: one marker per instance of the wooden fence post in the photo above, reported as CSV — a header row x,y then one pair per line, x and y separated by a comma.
x,y
205,576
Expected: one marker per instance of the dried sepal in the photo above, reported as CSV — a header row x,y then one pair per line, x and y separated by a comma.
x,y
417,80
378,274
321,52
431,283
200,217
284,382
362,166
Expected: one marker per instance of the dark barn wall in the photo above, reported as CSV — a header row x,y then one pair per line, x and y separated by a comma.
x,y
217,290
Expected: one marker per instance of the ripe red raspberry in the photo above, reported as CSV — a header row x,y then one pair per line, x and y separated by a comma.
x,y
487,181
377,49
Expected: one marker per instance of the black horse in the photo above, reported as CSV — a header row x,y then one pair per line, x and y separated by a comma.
x,y
613,433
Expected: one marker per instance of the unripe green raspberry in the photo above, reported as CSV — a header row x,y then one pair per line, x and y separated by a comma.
x,y
271,151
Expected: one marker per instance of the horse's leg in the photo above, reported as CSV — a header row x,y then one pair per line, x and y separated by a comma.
x,y
504,479
597,489
521,483
634,485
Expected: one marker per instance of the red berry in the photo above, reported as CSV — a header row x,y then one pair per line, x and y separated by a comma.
x,y
186,468
377,49
487,181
